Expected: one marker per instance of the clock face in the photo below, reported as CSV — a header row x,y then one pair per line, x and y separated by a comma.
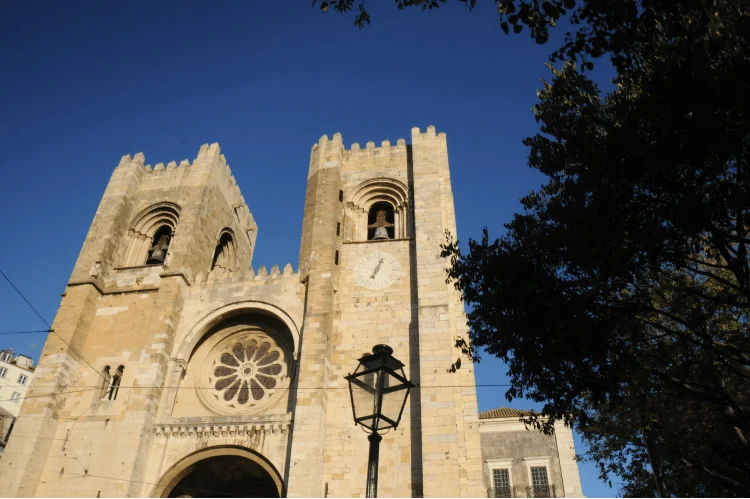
x,y
376,270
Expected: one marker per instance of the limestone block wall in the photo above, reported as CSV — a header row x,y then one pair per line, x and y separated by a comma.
x,y
451,459
363,319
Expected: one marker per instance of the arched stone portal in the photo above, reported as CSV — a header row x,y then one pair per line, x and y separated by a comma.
x,y
221,472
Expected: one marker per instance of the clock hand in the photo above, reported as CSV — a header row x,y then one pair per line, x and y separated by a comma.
x,y
377,268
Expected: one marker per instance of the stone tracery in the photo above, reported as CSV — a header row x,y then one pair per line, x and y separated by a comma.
x,y
243,372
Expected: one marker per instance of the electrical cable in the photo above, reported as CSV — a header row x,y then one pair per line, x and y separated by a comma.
x,y
50,327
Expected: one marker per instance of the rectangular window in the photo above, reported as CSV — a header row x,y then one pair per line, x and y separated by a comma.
x,y
539,482
338,229
3,371
7,357
336,258
341,195
22,379
16,397
501,483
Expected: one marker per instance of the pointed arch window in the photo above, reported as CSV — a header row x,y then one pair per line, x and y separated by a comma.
x,y
151,235
225,254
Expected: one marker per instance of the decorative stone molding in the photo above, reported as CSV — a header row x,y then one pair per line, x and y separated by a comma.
x,y
198,430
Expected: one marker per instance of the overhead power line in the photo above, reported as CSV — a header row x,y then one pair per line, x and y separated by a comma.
x,y
49,326
89,388
26,332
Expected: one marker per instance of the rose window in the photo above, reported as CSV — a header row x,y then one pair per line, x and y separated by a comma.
x,y
244,371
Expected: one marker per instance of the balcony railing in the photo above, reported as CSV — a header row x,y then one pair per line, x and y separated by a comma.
x,y
500,492
546,491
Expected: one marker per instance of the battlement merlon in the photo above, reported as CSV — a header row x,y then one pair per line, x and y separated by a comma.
x,y
209,164
333,147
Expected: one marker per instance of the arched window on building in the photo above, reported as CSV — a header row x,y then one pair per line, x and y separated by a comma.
x,y
380,221
378,209
150,236
224,255
114,386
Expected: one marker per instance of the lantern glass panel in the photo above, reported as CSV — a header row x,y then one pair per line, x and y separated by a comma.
x,y
394,395
363,391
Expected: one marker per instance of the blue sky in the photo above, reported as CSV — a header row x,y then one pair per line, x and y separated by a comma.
x,y
87,82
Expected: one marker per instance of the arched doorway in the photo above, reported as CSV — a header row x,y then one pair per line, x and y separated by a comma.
x,y
221,472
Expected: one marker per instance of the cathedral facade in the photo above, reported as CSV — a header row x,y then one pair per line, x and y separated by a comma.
x,y
175,369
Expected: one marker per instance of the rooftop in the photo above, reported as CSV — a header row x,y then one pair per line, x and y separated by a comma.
x,y
503,412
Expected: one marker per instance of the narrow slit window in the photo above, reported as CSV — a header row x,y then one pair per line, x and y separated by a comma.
x,y
341,196
114,387
338,228
336,258
106,380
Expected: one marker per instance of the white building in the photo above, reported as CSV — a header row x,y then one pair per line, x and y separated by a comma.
x,y
16,372
522,462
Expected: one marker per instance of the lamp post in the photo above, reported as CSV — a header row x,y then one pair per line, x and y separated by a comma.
x,y
379,389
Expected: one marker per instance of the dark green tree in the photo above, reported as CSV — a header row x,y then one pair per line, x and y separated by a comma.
x,y
619,296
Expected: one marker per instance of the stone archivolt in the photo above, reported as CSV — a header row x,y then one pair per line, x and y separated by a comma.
x,y
143,229
374,191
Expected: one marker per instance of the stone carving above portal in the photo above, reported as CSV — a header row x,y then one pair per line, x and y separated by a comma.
x,y
243,373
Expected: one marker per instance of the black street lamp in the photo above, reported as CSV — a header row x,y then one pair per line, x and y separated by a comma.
x,y
379,390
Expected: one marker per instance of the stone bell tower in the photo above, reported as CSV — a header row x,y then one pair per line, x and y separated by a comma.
x,y
91,409
370,255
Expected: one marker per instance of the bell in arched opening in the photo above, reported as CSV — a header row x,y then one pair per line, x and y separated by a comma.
x,y
380,224
158,252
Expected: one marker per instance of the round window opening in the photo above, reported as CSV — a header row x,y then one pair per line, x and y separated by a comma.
x,y
243,373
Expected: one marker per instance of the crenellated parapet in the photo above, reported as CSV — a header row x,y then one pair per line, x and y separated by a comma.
x,y
331,152
222,278
209,161
385,149
209,166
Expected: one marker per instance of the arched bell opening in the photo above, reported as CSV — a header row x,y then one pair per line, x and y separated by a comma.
x,y
366,201
221,472
147,241
159,246
381,222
